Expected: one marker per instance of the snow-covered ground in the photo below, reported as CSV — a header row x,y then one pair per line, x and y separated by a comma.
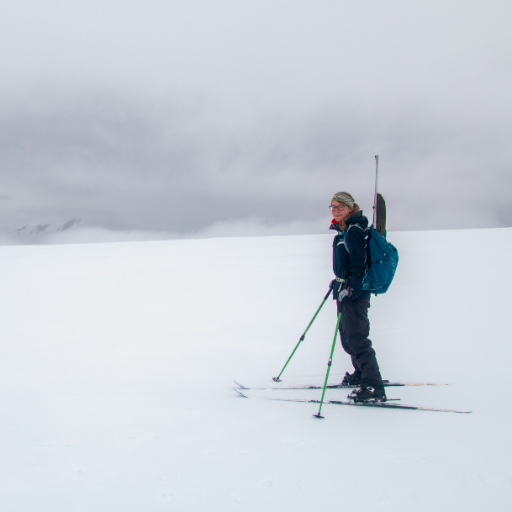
x,y
117,364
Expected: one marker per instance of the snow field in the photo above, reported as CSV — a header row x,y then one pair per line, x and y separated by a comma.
x,y
117,364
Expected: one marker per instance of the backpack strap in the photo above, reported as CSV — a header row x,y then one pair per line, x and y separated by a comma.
x,y
364,230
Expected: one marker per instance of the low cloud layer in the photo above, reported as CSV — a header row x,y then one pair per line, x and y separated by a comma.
x,y
252,227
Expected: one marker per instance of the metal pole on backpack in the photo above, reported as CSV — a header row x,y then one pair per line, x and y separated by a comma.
x,y
329,367
375,195
304,335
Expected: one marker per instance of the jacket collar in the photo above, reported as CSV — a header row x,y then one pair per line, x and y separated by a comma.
x,y
357,218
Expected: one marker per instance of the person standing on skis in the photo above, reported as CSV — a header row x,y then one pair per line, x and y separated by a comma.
x,y
350,267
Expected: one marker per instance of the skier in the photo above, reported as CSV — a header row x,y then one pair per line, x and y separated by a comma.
x,y
350,267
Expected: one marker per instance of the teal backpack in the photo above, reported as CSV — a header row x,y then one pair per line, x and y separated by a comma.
x,y
382,255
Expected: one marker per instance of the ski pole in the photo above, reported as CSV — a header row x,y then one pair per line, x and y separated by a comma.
x,y
328,367
304,335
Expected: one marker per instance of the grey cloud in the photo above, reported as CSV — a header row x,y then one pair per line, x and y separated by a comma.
x,y
193,118
122,165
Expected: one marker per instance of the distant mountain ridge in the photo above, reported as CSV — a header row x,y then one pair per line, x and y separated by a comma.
x,y
31,231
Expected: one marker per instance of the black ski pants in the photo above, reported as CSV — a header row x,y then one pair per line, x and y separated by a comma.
x,y
354,332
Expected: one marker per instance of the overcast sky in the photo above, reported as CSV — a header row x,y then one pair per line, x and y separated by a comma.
x,y
158,119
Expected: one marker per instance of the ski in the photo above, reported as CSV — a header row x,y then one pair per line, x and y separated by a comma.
x,y
385,405
387,383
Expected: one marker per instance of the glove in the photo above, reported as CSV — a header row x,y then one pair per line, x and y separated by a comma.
x,y
355,294
346,292
356,283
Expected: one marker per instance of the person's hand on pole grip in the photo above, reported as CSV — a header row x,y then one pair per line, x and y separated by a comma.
x,y
346,292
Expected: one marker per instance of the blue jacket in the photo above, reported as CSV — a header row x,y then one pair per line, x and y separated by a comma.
x,y
349,252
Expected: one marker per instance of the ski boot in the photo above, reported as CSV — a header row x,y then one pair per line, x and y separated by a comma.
x,y
351,380
368,394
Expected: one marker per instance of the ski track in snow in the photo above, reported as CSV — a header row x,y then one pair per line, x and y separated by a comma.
x,y
117,365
